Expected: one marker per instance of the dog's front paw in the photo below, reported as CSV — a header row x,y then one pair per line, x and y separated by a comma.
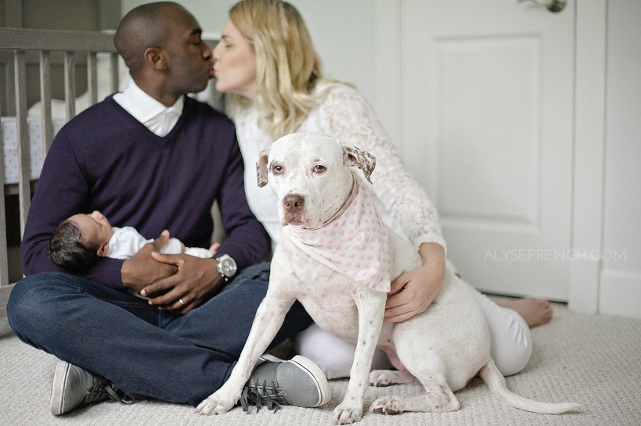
x,y
386,405
215,404
346,414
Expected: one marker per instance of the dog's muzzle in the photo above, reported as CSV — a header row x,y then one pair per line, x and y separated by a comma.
x,y
293,206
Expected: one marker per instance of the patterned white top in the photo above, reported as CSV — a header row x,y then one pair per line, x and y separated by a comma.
x,y
344,114
353,242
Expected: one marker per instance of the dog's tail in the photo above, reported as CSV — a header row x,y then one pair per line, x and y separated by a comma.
x,y
496,382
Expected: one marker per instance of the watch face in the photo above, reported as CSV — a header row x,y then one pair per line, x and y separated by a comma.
x,y
226,266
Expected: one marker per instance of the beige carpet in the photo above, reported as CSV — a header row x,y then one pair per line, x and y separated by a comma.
x,y
594,360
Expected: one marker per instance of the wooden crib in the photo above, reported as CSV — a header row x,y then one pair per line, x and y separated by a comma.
x,y
26,133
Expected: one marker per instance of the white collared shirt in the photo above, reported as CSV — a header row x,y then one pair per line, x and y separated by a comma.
x,y
154,115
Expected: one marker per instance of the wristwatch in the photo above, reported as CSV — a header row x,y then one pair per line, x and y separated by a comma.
x,y
226,266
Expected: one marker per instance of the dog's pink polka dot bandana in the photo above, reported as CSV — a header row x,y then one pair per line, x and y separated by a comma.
x,y
355,242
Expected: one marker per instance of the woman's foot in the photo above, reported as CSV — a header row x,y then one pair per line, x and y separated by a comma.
x,y
534,311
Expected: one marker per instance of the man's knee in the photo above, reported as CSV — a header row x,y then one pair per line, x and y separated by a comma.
x,y
21,299
31,297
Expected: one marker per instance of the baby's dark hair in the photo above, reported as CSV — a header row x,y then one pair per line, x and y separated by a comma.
x,y
67,250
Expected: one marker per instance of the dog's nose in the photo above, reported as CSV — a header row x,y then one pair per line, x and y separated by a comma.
x,y
293,203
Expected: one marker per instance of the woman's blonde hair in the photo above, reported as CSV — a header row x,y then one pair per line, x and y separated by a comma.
x,y
287,65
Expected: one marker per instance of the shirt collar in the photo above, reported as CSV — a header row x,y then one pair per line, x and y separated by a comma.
x,y
143,107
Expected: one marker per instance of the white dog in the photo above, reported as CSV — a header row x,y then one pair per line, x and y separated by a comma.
x,y
337,258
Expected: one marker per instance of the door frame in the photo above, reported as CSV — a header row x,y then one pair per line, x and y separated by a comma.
x,y
589,152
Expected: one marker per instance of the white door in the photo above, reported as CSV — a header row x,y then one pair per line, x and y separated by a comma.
x,y
487,98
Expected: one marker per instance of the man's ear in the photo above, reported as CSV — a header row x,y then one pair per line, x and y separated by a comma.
x,y
354,156
261,168
156,57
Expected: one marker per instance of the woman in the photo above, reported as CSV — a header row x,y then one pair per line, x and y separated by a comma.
x,y
266,59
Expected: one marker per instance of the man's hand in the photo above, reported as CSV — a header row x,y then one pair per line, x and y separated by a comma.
x,y
195,282
413,291
142,269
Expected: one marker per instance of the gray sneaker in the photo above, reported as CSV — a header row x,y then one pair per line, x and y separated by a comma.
x,y
74,387
275,382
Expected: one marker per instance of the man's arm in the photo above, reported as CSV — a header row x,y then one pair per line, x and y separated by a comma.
x,y
62,191
247,242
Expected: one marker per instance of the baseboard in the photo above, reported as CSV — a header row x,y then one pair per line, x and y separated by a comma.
x,y
620,293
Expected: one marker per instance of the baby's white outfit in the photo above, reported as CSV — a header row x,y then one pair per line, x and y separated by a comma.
x,y
127,241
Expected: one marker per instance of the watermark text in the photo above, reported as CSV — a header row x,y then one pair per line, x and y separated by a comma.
x,y
550,255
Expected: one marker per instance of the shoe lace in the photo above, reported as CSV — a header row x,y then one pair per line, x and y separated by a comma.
x,y
100,390
262,394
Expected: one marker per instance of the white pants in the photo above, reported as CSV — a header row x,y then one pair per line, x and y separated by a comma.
x,y
511,344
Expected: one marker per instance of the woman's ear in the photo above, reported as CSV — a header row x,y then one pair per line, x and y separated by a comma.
x,y
156,57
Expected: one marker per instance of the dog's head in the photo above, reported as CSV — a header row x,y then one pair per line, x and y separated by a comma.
x,y
310,175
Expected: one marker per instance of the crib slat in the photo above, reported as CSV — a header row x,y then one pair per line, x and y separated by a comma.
x,y
4,252
24,184
9,95
70,85
45,99
92,77
114,73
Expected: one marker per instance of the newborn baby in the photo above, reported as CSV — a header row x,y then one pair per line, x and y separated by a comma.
x,y
81,240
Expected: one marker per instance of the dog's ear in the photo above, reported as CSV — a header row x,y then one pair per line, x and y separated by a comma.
x,y
261,168
354,156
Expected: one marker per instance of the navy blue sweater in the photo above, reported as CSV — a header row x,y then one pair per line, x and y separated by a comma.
x,y
106,160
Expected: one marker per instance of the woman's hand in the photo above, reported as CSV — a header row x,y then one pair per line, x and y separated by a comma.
x,y
413,291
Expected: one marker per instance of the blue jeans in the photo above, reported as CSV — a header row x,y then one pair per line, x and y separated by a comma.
x,y
146,352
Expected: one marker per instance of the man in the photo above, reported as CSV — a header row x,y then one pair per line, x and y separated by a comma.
x,y
168,327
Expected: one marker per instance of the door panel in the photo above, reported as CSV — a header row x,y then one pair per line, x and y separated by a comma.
x,y
488,101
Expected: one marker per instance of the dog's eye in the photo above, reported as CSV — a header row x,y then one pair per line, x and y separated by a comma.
x,y
277,169
319,168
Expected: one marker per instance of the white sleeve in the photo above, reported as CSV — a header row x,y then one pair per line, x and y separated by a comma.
x,y
352,120
127,241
